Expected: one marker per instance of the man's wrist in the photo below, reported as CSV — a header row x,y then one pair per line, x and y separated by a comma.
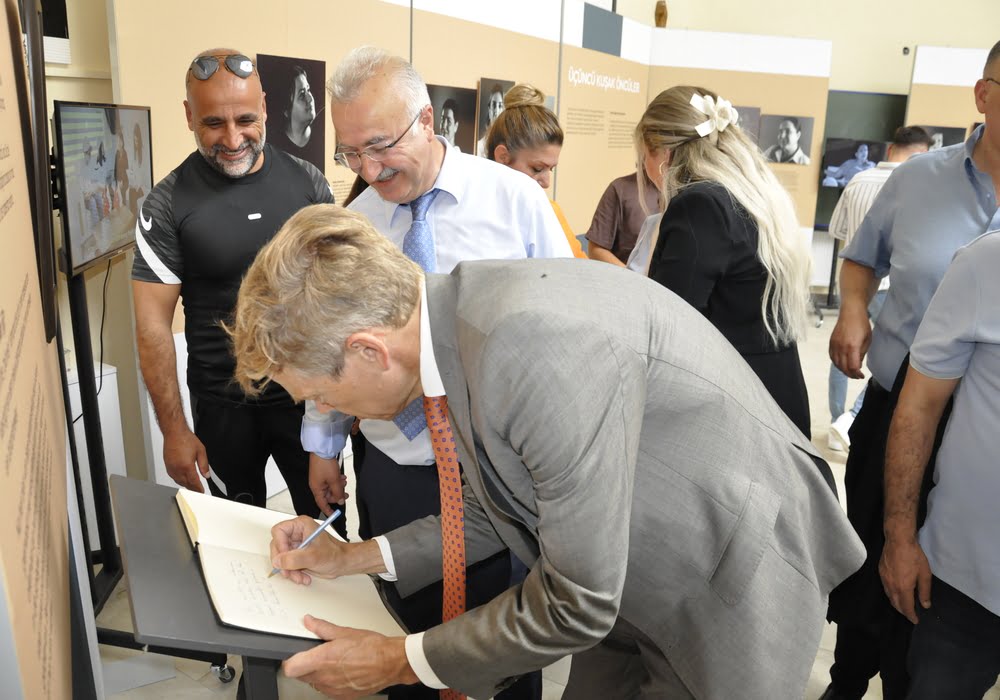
x,y
854,305
900,529
403,672
365,558
174,429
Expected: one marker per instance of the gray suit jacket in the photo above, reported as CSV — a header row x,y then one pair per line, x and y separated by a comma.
x,y
616,442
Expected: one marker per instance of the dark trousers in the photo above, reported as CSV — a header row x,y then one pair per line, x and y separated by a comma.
x,y
239,440
390,495
872,637
955,650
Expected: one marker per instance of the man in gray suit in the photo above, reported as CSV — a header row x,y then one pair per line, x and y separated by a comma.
x,y
682,534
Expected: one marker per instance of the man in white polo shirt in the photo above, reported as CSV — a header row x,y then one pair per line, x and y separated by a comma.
x,y
947,576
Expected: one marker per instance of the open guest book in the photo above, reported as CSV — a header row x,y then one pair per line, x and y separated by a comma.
x,y
233,544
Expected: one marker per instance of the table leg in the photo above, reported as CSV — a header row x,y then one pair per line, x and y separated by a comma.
x,y
260,678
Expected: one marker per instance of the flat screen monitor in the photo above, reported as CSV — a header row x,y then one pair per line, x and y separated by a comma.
x,y
105,172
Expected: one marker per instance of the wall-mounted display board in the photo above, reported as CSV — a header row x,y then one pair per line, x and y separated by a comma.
x,y
779,76
941,88
603,92
34,607
486,50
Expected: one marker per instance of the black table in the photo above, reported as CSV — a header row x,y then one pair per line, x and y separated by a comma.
x,y
170,604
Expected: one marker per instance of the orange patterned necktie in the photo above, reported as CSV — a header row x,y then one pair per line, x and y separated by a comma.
x,y
452,513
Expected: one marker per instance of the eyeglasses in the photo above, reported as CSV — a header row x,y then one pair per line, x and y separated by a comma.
x,y
991,80
204,67
376,154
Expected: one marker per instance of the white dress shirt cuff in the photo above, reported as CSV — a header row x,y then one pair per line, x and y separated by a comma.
x,y
390,565
324,434
418,662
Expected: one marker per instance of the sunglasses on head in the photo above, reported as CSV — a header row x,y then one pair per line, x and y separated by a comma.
x,y
204,67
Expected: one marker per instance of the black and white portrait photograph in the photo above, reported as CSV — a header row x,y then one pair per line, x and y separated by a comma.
x,y
749,121
786,139
294,89
455,115
942,136
845,158
491,92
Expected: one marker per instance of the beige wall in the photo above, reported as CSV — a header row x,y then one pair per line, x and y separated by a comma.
x,y
774,94
868,37
599,125
942,105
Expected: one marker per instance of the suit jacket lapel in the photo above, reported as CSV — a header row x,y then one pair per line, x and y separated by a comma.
x,y
442,303
443,306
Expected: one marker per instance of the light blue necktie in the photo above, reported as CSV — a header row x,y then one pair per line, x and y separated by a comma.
x,y
418,245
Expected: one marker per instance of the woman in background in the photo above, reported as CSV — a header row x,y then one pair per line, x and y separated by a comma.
x,y
729,242
527,137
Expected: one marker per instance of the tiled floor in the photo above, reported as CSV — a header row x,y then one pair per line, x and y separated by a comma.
x,y
194,681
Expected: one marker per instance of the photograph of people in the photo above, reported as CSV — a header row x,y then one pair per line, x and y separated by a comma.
x,y
448,123
491,94
729,241
942,136
838,170
300,108
293,90
789,138
455,115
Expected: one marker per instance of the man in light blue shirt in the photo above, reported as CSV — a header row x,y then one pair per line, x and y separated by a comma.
x,y
931,205
953,569
472,209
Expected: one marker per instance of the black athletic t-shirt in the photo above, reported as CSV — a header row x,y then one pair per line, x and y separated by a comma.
x,y
202,230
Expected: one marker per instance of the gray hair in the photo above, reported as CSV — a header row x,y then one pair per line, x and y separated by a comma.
x,y
364,63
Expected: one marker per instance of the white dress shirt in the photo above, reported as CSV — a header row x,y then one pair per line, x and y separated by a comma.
x,y
430,380
484,211
856,200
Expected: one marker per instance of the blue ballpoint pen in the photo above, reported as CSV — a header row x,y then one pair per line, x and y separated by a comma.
x,y
326,523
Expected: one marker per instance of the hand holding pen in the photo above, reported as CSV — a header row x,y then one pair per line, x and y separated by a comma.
x,y
278,530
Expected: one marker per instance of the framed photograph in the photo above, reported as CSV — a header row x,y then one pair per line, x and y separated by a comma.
x,y
944,135
455,115
845,158
491,92
294,93
786,138
749,121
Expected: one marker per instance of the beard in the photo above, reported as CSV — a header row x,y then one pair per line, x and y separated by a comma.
x,y
233,168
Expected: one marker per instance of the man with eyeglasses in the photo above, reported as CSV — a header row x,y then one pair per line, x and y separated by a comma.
x,y
197,233
441,207
930,206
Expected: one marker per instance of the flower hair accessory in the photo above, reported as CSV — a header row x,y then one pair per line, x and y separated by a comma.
x,y
720,113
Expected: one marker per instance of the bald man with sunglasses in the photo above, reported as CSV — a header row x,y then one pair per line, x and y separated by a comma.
x,y
197,233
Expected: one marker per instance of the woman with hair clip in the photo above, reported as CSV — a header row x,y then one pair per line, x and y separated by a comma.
x,y
527,137
729,242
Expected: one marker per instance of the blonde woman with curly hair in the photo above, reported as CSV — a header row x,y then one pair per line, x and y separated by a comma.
x,y
729,242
